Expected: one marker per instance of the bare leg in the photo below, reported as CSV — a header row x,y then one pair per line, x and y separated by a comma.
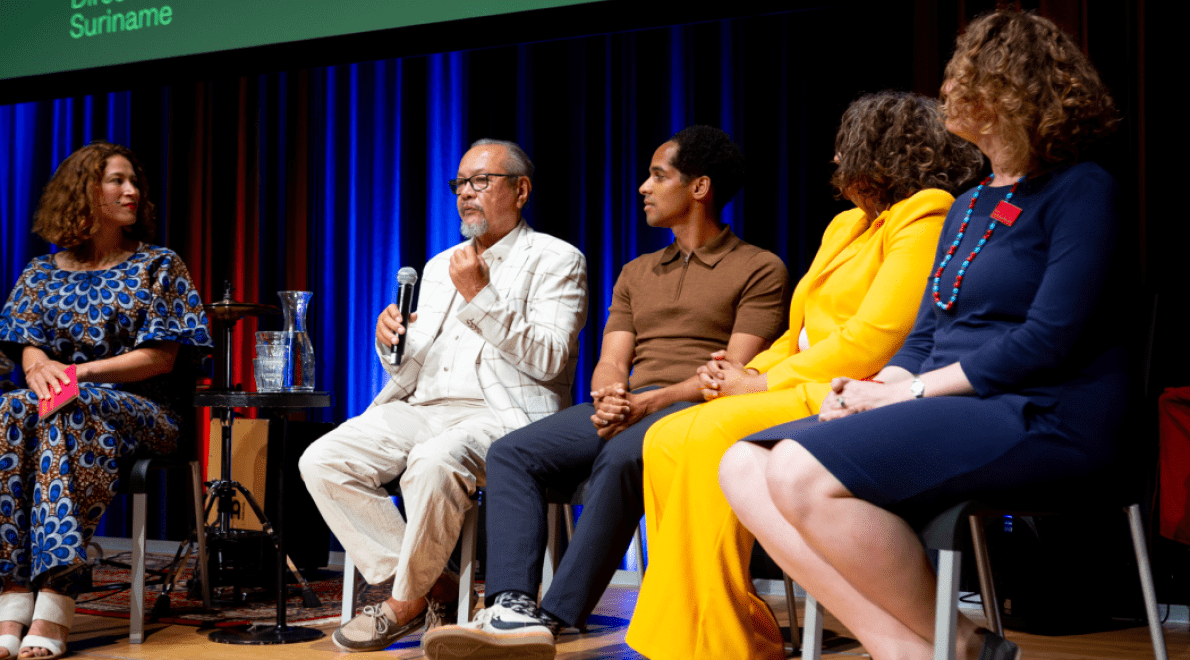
x,y
885,634
406,609
742,477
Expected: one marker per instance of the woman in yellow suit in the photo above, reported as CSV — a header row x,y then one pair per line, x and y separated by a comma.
x,y
849,315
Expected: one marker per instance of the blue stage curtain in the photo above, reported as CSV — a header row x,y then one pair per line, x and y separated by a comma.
x,y
331,179
18,189
34,138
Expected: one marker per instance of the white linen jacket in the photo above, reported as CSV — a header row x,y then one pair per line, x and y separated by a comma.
x,y
529,316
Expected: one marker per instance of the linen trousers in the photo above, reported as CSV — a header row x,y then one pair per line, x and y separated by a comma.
x,y
438,451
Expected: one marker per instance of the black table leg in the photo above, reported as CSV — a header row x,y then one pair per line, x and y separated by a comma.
x,y
222,491
280,633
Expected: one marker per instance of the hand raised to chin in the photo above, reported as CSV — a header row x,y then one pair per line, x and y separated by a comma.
x,y
468,272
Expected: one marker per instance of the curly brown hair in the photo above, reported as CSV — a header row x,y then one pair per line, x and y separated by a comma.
x,y
891,145
1030,75
64,215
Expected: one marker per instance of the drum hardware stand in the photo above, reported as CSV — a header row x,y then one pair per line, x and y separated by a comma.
x,y
222,492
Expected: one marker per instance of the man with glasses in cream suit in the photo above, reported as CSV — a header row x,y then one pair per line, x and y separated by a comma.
x,y
491,348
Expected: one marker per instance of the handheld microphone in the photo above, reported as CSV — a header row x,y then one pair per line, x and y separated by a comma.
x,y
406,278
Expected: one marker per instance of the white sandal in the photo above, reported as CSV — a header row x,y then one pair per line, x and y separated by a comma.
x,y
54,608
15,606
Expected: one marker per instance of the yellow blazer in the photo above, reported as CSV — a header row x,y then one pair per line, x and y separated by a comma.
x,y
860,297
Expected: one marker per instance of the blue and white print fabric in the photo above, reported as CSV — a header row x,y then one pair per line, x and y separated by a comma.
x,y
58,475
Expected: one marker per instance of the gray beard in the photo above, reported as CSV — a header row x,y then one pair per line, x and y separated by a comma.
x,y
473,230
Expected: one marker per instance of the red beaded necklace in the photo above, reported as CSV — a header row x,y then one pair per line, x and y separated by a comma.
x,y
1004,212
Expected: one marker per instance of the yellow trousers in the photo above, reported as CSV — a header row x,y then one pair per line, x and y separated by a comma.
x,y
697,600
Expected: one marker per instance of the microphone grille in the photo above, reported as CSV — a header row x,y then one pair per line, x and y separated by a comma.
x,y
406,276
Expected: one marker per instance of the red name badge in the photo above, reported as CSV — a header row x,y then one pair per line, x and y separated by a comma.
x,y
1006,213
55,402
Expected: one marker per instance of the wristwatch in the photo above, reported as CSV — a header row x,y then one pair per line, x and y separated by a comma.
x,y
917,388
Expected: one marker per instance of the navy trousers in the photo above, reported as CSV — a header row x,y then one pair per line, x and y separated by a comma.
x,y
558,453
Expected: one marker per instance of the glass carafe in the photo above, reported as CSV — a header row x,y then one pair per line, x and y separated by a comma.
x,y
299,370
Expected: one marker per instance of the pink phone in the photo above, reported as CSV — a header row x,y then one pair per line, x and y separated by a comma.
x,y
70,392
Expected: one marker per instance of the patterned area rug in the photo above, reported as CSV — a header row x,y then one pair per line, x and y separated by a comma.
x,y
260,608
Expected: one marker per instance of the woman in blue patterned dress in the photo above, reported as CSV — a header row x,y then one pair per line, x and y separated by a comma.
x,y
119,310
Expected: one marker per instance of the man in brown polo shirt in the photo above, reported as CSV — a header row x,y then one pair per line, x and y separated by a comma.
x,y
671,309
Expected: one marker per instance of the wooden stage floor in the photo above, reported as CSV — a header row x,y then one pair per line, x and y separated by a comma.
x,y
102,637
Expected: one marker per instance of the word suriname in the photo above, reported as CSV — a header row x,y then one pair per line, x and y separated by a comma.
x,y
121,21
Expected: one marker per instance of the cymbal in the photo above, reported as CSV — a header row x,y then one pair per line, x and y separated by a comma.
x,y
231,310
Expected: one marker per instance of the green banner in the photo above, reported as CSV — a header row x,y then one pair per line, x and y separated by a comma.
x,y
48,36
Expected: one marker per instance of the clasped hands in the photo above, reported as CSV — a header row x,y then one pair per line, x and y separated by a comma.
x,y
721,377
849,396
616,409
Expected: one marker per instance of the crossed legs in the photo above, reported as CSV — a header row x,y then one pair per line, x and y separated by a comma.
x,y
438,452
863,563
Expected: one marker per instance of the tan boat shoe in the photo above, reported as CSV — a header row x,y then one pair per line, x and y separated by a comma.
x,y
375,629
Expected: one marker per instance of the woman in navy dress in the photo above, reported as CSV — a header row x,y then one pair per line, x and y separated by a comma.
x,y
1013,374
117,310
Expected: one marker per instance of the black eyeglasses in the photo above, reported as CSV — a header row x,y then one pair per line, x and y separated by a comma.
x,y
478,181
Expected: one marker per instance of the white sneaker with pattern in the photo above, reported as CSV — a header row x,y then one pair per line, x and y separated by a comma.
x,y
497,633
